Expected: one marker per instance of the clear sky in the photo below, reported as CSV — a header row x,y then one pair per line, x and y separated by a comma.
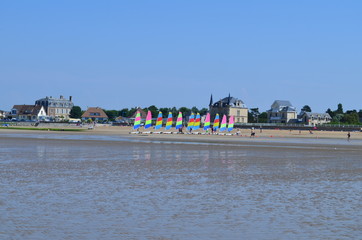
x,y
117,54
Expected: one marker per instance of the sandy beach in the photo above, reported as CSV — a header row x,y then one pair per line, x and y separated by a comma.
x,y
237,133
267,138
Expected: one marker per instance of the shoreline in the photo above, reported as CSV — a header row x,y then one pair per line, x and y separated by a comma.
x,y
268,138
243,133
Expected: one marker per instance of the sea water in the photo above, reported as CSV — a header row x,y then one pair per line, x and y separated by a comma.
x,y
94,187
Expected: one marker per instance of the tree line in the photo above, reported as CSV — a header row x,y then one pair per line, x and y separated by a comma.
x,y
254,115
77,112
348,117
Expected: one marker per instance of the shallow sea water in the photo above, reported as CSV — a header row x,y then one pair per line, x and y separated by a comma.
x,y
126,189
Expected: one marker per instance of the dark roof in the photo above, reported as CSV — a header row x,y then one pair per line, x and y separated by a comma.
x,y
316,115
283,103
91,111
282,106
228,101
27,109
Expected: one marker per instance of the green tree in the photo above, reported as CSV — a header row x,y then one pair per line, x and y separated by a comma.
x,y
124,112
185,111
164,111
330,112
194,109
203,111
253,115
351,117
154,110
337,118
306,108
251,118
263,117
75,112
339,109
131,112
174,111
111,114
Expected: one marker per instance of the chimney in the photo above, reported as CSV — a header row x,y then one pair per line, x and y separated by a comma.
x,y
70,98
61,97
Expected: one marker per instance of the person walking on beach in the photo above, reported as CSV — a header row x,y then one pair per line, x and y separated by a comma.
x,y
348,136
252,134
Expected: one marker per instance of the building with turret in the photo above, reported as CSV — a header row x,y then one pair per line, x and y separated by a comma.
x,y
229,106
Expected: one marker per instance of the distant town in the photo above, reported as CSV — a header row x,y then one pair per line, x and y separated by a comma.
x,y
52,109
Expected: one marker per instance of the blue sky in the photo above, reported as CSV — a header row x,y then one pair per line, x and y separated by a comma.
x,y
117,54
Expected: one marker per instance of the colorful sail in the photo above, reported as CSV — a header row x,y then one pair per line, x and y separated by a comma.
x,y
148,120
197,122
231,123
169,121
216,122
137,120
179,121
207,122
191,122
159,121
223,124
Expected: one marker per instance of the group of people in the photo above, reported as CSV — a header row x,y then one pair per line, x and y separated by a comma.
x,y
252,133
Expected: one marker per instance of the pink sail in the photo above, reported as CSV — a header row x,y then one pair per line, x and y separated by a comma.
x,y
148,120
207,122
231,123
223,124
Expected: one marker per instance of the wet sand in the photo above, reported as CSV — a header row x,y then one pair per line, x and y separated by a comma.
x,y
107,184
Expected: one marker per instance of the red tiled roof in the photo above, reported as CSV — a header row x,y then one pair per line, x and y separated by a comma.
x,y
94,112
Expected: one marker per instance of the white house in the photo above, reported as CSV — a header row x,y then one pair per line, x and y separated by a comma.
x,y
2,114
314,119
28,112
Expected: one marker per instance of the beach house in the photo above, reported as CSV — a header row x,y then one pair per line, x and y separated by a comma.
x,y
314,119
282,111
229,106
2,114
95,114
56,108
28,112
